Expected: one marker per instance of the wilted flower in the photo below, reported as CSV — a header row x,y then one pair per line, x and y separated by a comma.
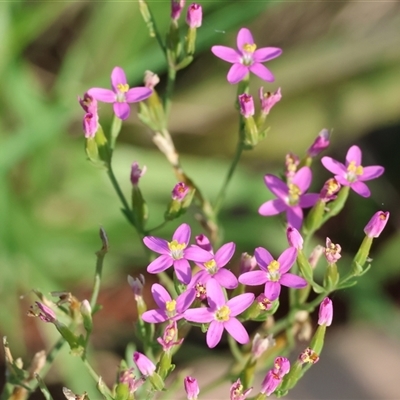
x,y
180,191
332,251
246,104
137,173
268,99
237,391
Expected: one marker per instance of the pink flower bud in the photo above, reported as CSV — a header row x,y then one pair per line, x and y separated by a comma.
x,y
376,224
329,190
320,143
90,125
137,173
270,383
194,15
332,251
203,242
191,388
246,104
308,356
268,100
179,191
237,391
150,79
88,103
316,255
247,263
176,8
281,366
325,312
145,366
294,238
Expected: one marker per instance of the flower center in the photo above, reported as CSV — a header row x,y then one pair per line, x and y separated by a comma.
x,y
200,291
273,271
223,314
247,53
309,356
294,194
354,171
176,249
170,307
211,266
122,89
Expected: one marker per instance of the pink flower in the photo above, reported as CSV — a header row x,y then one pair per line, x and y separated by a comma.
x,y
376,224
273,273
169,309
237,391
268,100
191,388
46,314
176,253
144,364
325,314
332,251
291,197
294,238
204,242
176,8
270,383
170,337
246,104
246,58
320,143
308,356
137,173
179,191
120,94
281,366
194,15
353,174
220,314
127,376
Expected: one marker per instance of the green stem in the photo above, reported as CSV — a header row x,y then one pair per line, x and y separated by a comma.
x,y
94,375
43,388
169,90
233,346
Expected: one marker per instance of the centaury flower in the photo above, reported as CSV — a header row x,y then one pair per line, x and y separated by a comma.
x,y
353,174
291,197
120,94
221,314
247,58
273,273
176,253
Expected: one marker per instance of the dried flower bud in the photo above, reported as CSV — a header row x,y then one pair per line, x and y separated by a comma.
x,y
376,224
308,356
170,337
261,344
247,263
316,255
150,79
237,391
180,191
136,173
332,251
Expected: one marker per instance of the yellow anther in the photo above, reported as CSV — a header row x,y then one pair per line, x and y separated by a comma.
x,y
123,87
249,48
223,313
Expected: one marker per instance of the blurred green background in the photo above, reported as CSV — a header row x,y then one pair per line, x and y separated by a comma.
x,y
340,70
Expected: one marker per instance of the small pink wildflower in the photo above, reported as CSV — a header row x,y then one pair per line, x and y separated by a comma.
x,y
191,388
194,15
137,173
246,104
325,312
237,391
376,224
268,99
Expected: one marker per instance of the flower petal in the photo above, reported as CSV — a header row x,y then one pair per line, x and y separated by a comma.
x,y
160,264
263,257
287,259
253,278
361,188
272,290
224,254
121,110
185,300
244,37
293,281
226,53
353,155
137,94
182,234
262,72
154,316
371,172
183,270
240,303
303,178
226,278
294,217
276,186
160,295
215,296
272,207
333,166
237,331
308,200
201,315
266,53
237,73
156,244
214,333
118,77
105,95
197,254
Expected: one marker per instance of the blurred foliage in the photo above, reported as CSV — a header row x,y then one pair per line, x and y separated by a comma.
x,y
339,69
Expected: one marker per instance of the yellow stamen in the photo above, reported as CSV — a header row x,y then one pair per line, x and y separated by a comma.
x,y
294,194
249,48
123,87
176,249
223,314
170,306
358,170
211,266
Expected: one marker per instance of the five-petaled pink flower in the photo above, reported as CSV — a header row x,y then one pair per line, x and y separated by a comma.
x,y
169,309
273,273
247,58
176,253
221,314
353,174
120,94
291,196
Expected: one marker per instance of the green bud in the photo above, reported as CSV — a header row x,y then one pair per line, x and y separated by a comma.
x,y
315,216
250,131
156,381
361,256
140,210
86,312
97,148
304,266
331,278
122,392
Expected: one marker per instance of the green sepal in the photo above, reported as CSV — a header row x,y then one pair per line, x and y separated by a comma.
x,y
331,278
335,206
122,392
176,208
184,63
315,217
290,379
174,45
317,342
115,130
191,41
304,266
156,381
97,148
140,210
346,285
165,365
250,131
361,257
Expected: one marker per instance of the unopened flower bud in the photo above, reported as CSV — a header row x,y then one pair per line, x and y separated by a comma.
x,y
268,99
308,356
90,125
203,242
237,391
86,311
320,143
136,173
294,238
191,388
194,15
261,344
247,263
376,224
316,255
325,314
332,251
329,190
270,383
144,364
88,103
176,8
180,191
246,104
150,79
